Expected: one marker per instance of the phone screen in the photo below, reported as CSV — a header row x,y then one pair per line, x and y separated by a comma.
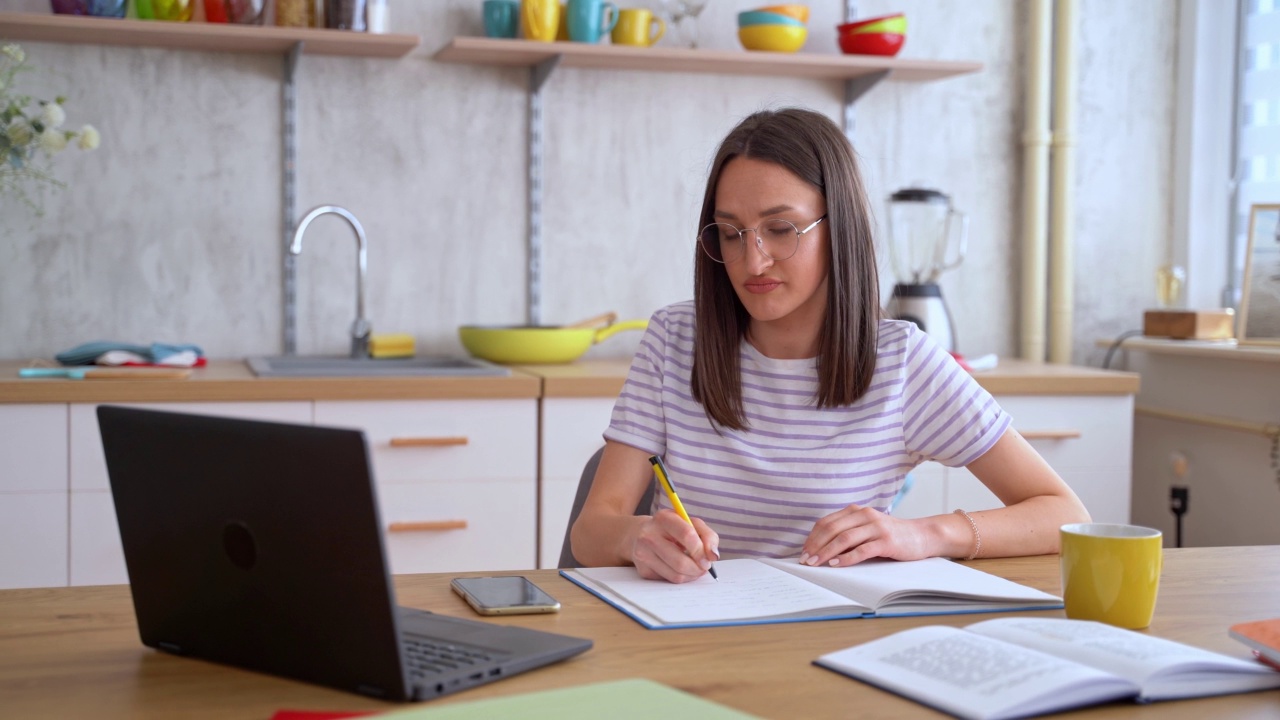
x,y
504,595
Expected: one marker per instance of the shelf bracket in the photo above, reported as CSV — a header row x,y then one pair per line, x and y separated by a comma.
x,y
538,76
855,88
289,188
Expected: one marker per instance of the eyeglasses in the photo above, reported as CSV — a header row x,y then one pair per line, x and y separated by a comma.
x,y
776,238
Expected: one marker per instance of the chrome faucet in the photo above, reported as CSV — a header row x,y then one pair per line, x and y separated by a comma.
x,y
361,328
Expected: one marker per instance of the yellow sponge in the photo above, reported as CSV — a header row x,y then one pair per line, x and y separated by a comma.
x,y
391,345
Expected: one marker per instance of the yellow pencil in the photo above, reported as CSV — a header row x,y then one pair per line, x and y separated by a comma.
x,y
660,469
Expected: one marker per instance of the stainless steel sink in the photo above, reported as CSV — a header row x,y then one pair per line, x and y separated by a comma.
x,y
339,366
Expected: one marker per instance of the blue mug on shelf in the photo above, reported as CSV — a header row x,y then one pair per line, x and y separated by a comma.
x,y
501,18
96,8
590,20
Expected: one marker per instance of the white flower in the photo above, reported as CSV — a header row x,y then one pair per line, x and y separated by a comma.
x,y
89,137
14,52
53,141
53,115
19,132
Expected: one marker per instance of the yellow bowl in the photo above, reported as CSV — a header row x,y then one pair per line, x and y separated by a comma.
x,y
773,38
799,12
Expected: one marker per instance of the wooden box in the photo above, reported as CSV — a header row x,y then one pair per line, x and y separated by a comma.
x,y
1189,324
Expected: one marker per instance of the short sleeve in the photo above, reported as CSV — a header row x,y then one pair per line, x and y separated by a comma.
x,y
639,419
947,416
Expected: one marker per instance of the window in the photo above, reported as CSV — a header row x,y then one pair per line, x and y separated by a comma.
x,y
1256,144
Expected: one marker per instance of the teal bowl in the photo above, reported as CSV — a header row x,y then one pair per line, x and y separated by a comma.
x,y
760,17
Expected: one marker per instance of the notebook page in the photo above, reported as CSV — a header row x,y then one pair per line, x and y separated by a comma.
x,y
746,589
878,582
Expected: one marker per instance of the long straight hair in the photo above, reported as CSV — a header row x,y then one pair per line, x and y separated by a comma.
x,y
814,149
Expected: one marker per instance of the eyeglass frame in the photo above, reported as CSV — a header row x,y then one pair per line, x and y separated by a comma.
x,y
742,238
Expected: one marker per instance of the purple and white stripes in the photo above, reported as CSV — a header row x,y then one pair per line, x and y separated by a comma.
x,y
763,489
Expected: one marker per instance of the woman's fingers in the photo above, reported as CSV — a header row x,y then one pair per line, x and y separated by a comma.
x,y
669,548
847,537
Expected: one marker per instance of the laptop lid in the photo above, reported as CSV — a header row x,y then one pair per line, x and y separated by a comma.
x,y
258,544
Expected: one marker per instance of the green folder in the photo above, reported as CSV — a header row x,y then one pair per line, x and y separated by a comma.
x,y
634,699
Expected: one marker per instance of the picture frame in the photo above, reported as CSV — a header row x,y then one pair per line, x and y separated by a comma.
x,y
1260,301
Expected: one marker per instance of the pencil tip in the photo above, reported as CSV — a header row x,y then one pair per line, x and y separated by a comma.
x,y
712,570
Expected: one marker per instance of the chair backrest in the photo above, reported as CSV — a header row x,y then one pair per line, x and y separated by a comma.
x,y
567,560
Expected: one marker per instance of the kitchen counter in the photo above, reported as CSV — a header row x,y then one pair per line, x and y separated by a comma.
x,y
1011,377
231,380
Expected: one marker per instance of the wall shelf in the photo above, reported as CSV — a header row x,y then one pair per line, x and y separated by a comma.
x,y
528,53
858,73
218,37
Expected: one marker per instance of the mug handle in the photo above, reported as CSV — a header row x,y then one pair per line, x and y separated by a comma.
x,y
662,29
611,12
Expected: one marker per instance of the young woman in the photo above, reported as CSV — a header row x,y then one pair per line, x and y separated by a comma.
x,y
787,411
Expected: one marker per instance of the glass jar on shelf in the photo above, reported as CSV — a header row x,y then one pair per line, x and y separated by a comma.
x,y
296,13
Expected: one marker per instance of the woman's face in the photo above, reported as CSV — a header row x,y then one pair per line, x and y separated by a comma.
x,y
790,294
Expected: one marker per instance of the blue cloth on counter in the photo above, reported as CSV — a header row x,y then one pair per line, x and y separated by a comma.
x,y
87,353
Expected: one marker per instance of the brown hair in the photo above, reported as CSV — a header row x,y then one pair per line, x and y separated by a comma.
x,y
812,147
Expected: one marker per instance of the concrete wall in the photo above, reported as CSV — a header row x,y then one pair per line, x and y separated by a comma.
x,y
172,230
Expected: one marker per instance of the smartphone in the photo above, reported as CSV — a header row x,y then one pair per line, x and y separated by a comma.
x,y
504,595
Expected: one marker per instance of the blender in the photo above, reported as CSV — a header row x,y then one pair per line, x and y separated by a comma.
x,y
922,223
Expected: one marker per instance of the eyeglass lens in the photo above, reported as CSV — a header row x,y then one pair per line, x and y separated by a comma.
x,y
725,243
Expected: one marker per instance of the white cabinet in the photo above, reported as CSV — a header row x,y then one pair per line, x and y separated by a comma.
x,y
95,554
1087,439
33,495
456,479
572,430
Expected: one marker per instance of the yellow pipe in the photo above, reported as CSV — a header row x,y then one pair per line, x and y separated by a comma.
x,y
1035,170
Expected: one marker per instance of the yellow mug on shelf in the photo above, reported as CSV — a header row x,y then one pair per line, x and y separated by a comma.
x,y
636,26
540,19
1111,573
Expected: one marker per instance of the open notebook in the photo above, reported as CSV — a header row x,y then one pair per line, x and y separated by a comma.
x,y
752,591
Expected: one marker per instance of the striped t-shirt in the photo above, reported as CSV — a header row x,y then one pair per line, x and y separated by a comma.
x,y
762,490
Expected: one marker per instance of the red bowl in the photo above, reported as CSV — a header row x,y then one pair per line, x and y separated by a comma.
x,y
852,27
871,43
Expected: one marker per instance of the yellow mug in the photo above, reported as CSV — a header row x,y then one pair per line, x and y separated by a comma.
x,y
1111,573
562,29
540,19
636,27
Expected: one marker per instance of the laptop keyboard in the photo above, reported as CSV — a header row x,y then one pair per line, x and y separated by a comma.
x,y
427,657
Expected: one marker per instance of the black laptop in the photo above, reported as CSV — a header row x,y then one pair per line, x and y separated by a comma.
x,y
258,544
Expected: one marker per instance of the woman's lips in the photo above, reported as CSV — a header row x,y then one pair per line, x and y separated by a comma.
x,y
762,286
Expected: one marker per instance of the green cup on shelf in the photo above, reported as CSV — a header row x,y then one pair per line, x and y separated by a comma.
x,y
172,10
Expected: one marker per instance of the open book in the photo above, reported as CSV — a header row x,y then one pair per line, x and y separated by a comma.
x,y
1020,666
753,591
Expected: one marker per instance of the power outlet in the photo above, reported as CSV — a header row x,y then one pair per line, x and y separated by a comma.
x,y
1178,495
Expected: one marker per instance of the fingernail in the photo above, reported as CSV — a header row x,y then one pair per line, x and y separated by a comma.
x,y
835,562
715,550
812,560
804,557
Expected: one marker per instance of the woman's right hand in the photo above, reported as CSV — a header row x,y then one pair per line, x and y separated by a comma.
x,y
668,548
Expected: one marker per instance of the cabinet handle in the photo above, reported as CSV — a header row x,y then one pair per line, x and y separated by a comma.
x,y
1050,434
428,441
430,525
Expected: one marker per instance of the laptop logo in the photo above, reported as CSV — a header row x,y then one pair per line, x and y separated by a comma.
x,y
239,545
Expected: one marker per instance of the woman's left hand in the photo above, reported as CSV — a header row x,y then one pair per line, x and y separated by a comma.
x,y
856,533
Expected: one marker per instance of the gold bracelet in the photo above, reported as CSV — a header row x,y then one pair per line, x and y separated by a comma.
x,y
977,536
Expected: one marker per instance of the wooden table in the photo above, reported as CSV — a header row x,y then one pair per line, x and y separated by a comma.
x,y
74,652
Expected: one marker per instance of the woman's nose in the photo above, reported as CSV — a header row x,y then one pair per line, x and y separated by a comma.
x,y
756,258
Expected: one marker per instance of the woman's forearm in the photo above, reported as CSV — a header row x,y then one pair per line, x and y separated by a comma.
x,y
604,540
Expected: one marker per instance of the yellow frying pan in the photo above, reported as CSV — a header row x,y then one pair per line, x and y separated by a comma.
x,y
541,345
